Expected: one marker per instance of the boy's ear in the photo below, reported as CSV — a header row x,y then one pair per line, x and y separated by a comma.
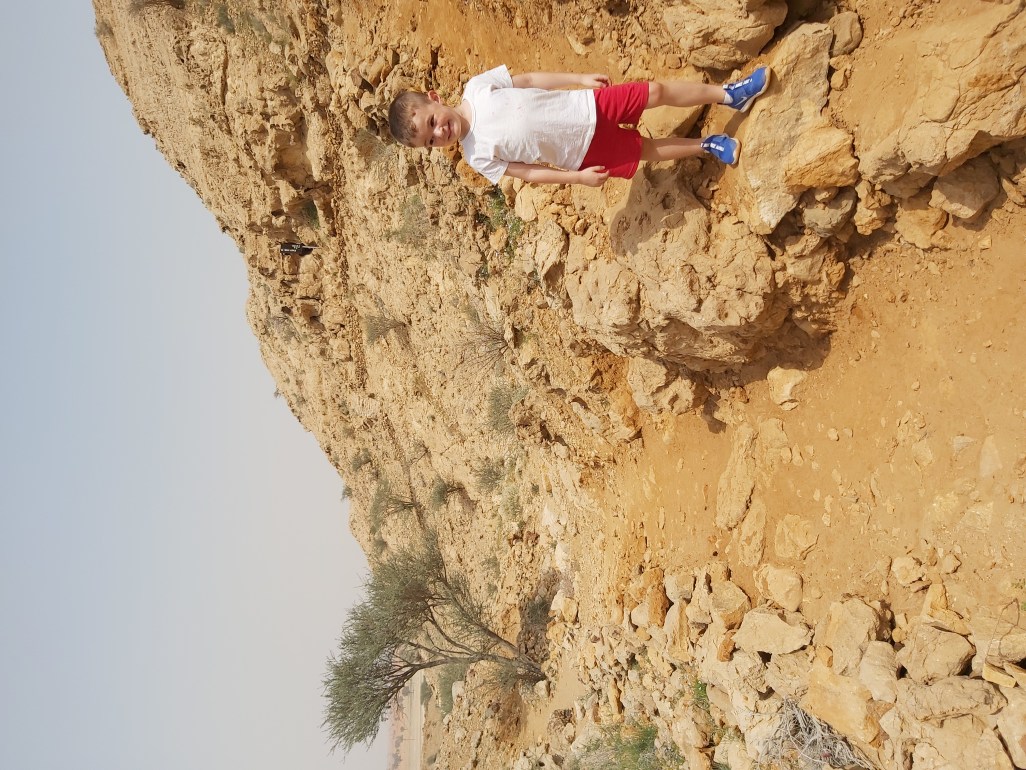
x,y
433,96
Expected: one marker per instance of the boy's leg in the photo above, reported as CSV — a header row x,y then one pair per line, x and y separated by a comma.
x,y
670,148
720,146
682,93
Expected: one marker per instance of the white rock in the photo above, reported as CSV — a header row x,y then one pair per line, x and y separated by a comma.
x,y
878,671
764,630
847,630
781,585
782,385
931,654
1011,724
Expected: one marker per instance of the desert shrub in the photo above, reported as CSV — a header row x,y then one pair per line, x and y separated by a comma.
x,y
310,215
378,509
500,401
399,504
360,459
441,491
140,6
700,694
224,19
500,215
627,746
414,224
803,739
484,345
370,147
377,327
489,475
511,507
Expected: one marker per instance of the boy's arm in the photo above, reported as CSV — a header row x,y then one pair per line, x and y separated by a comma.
x,y
549,80
593,177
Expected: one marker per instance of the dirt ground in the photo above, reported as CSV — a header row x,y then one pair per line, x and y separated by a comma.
x,y
909,432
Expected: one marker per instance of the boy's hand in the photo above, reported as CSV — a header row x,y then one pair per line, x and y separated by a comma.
x,y
593,176
595,81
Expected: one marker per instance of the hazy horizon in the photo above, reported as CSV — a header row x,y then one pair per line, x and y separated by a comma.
x,y
177,563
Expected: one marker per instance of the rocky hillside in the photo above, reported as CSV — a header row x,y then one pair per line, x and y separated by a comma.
x,y
500,364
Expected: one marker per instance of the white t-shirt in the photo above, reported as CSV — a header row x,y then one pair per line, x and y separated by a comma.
x,y
525,125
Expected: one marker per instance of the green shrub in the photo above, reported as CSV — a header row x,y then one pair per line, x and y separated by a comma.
x,y
447,677
377,327
139,6
628,746
501,216
489,475
359,460
414,223
500,401
441,491
484,346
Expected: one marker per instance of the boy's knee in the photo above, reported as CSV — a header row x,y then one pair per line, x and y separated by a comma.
x,y
655,94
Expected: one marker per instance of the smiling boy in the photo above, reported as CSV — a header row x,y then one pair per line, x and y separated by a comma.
x,y
523,126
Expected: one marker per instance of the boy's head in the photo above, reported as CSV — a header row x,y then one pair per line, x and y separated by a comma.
x,y
421,120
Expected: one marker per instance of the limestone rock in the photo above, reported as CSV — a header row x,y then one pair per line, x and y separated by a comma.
x,y
782,384
679,586
723,33
780,585
847,630
920,223
963,95
961,742
842,702
1011,724
769,178
764,630
907,570
821,156
728,603
650,599
953,696
564,608
789,674
966,191
681,288
751,535
794,537
827,218
931,654
997,641
847,29
734,491
878,671
656,388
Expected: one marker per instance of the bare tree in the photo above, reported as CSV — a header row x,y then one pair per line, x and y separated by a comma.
x,y
417,615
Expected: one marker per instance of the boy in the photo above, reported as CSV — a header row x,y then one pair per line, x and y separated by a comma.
x,y
519,126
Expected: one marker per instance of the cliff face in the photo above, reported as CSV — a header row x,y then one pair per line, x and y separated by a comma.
x,y
464,353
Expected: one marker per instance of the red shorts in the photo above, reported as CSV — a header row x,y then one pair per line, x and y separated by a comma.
x,y
613,146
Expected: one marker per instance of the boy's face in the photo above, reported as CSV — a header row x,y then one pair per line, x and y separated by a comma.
x,y
436,125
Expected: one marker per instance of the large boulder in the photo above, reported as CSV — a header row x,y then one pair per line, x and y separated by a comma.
x,y
721,34
789,146
963,92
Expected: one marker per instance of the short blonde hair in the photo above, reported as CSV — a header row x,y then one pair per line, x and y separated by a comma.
x,y
400,116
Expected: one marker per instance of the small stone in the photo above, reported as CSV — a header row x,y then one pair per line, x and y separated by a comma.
x,y
764,630
998,676
907,570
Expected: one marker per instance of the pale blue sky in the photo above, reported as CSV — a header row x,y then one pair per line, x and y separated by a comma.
x,y
175,561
